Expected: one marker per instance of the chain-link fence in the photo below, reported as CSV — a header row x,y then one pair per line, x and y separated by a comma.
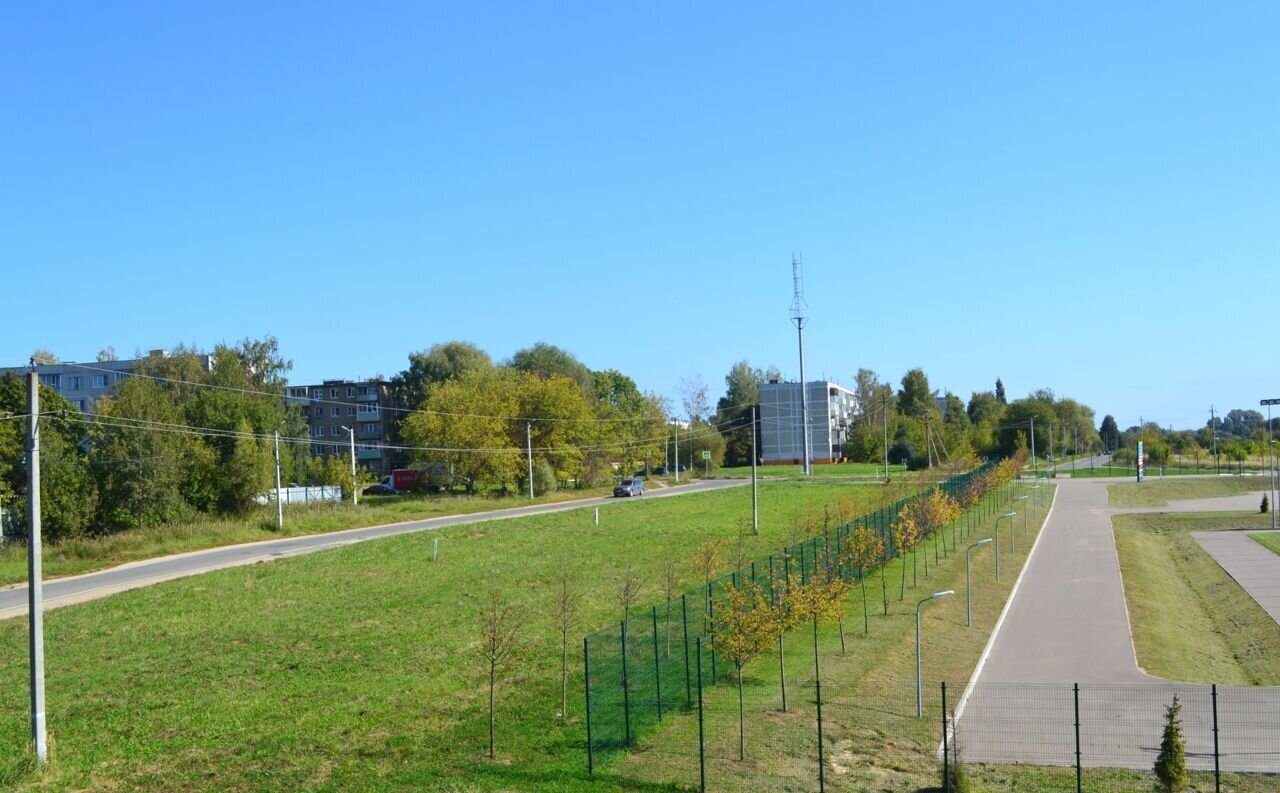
x,y
645,667
864,735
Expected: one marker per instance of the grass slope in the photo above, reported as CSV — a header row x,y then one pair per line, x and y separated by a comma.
x,y
1269,540
354,669
1191,621
94,553
1159,492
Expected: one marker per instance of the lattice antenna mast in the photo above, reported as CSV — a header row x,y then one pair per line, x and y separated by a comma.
x,y
800,316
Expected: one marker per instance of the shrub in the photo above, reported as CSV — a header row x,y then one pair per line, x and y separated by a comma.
x,y
1171,764
1266,505
544,478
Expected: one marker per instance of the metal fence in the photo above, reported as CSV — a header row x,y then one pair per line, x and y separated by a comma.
x,y
864,735
645,667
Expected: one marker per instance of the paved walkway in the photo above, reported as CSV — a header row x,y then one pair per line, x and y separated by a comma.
x,y
1254,567
1068,623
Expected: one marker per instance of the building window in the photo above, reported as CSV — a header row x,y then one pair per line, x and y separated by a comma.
x,y
351,410
333,393
333,430
335,412
84,406
120,377
316,393
99,381
350,392
77,383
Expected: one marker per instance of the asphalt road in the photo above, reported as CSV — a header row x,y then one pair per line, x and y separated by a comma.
x,y
1255,568
1067,623
76,589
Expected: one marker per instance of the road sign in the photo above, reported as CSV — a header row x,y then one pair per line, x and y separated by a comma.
x,y
706,455
1141,466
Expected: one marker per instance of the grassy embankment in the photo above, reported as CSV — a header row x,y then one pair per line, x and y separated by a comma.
x,y
869,471
356,668
70,557
1269,540
1153,472
1191,621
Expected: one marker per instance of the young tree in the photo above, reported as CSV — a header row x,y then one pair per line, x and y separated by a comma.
x,y
568,612
864,549
500,645
627,590
744,629
906,533
670,580
1171,763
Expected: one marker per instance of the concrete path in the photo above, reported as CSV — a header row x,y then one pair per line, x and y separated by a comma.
x,y
1067,623
1254,567
76,589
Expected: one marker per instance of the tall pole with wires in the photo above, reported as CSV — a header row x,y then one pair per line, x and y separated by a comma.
x,y
799,315
755,496
355,500
35,586
884,416
279,502
528,444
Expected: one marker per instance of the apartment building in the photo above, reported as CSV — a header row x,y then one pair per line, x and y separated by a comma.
x,y
83,384
832,408
334,407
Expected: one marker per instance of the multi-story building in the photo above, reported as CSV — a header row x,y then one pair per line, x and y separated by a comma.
x,y
832,408
335,407
83,384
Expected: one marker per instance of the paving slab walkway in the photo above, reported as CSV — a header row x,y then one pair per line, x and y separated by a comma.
x,y
1254,567
1067,624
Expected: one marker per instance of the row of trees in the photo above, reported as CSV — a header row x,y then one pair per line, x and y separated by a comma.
x,y
1241,436
925,428
188,434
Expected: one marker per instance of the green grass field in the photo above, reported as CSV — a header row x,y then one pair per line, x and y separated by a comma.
x,y
1191,621
1083,472
829,471
355,668
1269,540
1159,492
94,553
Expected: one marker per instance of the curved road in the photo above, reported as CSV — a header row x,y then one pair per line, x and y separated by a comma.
x,y
75,589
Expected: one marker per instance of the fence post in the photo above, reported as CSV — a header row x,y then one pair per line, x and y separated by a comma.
x,y
711,615
946,744
702,747
817,687
1075,692
657,667
626,695
1217,780
684,617
586,682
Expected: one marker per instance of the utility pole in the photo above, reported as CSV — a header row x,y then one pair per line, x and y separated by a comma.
x,y
279,503
1271,463
1034,475
675,433
799,315
884,415
1213,427
528,440
355,501
35,586
755,496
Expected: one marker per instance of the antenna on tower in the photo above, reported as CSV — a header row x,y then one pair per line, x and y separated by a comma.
x,y
799,315
799,309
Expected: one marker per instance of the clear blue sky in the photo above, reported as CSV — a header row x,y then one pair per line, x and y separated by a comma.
x,y
1081,196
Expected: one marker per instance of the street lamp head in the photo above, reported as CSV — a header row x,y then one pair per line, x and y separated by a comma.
x,y
1009,515
1020,498
981,542
942,594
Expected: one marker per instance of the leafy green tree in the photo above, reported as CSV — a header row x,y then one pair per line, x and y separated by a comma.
x,y
915,398
440,363
733,411
548,360
1110,432
140,463
745,628
984,407
1000,395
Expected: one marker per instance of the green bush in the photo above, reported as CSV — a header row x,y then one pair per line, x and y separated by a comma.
x,y
544,478
1171,764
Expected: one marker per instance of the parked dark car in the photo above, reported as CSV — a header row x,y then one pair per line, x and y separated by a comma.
x,y
378,490
629,487
662,469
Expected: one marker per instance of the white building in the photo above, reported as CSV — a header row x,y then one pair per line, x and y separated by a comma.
x,y
832,408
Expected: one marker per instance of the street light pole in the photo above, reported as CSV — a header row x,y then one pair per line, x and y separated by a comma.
x,y
919,676
279,504
528,441
996,534
1271,462
35,586
1024,519
755,495
968,588
1036,500
355,501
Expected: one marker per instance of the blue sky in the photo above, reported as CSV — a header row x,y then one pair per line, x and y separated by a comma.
x,y
1081,196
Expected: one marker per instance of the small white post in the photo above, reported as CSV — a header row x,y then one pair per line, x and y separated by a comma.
x,y
597,516
435,548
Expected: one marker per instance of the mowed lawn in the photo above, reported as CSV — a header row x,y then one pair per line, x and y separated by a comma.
x,y
1191,621
95,553
1267,539
1159,492
355,669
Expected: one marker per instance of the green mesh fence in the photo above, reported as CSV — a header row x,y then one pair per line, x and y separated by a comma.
x,y
642,669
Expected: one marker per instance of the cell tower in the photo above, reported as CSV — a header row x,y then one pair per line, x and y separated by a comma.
x,y
800,315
